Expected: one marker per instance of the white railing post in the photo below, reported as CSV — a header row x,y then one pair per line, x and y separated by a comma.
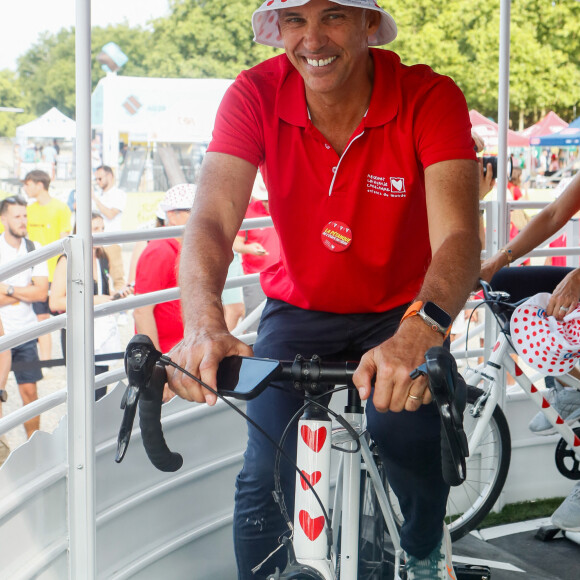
x,y
503,116
80,349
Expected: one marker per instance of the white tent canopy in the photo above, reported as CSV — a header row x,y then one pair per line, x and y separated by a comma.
x,y
52,125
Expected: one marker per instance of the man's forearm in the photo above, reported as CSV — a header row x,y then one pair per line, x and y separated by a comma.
x,y
30,293
205,258
453,272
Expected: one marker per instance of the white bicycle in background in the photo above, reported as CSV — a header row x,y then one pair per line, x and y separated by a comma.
x,y
342,539
488,432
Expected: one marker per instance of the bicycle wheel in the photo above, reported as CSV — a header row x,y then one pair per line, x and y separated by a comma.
x,y
487,469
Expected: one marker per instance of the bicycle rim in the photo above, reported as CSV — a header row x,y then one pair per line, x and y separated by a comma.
x,y
487,469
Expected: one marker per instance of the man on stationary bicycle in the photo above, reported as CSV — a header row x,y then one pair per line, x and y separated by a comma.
x,y
372,180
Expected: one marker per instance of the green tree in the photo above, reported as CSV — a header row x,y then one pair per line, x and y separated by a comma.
x,y
461,39
47,70
11,96
206,39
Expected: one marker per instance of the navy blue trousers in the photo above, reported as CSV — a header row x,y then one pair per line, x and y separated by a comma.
x,y
408,442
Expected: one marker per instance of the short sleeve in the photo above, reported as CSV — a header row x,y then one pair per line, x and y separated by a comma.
x,y
445,128
238,126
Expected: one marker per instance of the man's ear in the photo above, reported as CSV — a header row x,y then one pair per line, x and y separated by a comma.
x,y
373,21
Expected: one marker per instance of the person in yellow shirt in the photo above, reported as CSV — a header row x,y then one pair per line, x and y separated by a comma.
x,y
48,220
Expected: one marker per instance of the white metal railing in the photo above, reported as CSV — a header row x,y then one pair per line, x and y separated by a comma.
x,y
56,323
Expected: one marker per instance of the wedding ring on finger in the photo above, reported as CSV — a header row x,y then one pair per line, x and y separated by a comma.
x,y
414,397
564,308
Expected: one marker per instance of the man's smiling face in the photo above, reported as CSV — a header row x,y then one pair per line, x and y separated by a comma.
x,y
327,42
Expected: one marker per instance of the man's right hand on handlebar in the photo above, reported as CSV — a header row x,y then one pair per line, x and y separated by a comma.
x,y
200,352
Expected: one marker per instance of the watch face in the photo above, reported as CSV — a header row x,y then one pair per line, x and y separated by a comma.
x,y
437,314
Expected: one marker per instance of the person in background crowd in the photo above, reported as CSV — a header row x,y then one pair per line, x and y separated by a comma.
x,y
157,270
49,220
17,295
259,248
110,202
372,183
106,332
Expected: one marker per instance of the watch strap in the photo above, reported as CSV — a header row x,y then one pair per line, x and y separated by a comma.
x,y
415,310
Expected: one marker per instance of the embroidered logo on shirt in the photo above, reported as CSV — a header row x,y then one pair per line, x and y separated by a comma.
x,y
386,186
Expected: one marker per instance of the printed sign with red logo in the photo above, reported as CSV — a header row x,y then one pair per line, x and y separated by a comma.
x,y
336,236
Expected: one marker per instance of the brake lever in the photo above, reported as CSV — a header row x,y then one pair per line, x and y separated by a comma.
x,y
140,358
449,394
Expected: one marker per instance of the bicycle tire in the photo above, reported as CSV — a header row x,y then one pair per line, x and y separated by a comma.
x,y
487,469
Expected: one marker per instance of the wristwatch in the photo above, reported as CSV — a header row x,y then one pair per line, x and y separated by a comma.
x,y
434,316
9,290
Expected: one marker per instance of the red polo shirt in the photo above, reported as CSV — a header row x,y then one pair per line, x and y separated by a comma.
x,y
375,192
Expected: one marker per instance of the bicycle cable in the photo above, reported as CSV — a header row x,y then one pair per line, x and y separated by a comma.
x,y
278,492
166,360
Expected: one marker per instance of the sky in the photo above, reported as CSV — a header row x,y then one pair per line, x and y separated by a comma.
x,y
22,21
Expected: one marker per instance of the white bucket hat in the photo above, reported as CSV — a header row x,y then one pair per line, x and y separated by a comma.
x,y
178,197
265,21
549,346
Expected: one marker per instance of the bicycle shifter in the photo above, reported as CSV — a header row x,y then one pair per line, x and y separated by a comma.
x,y
140,358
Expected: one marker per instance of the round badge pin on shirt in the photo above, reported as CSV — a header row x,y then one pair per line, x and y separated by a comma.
x,y
336,236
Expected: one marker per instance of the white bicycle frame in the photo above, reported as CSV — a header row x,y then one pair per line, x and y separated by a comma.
x,y
490,372
313,459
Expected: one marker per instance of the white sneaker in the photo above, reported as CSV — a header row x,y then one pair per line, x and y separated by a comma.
x,y
436,566
567,516
566,401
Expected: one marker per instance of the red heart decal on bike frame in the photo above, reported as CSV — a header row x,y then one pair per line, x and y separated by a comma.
x,y
313,478
314,439
311,527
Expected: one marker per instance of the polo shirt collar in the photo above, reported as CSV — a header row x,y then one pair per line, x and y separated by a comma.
x,y
292,106
384,100
293,109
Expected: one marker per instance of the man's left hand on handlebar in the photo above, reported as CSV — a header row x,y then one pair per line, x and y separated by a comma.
x,y
391,363
201,353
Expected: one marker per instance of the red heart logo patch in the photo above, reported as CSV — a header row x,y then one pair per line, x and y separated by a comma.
x,y
311,527
313,478
314,439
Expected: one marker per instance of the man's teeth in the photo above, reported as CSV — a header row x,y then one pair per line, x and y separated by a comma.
x,y
321,62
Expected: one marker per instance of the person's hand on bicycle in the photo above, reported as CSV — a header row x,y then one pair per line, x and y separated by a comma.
x,y
564,299
391,363
200,352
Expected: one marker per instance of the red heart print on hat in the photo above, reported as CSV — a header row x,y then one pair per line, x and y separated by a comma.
x,y
314,439
549,346
313,479
311,526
